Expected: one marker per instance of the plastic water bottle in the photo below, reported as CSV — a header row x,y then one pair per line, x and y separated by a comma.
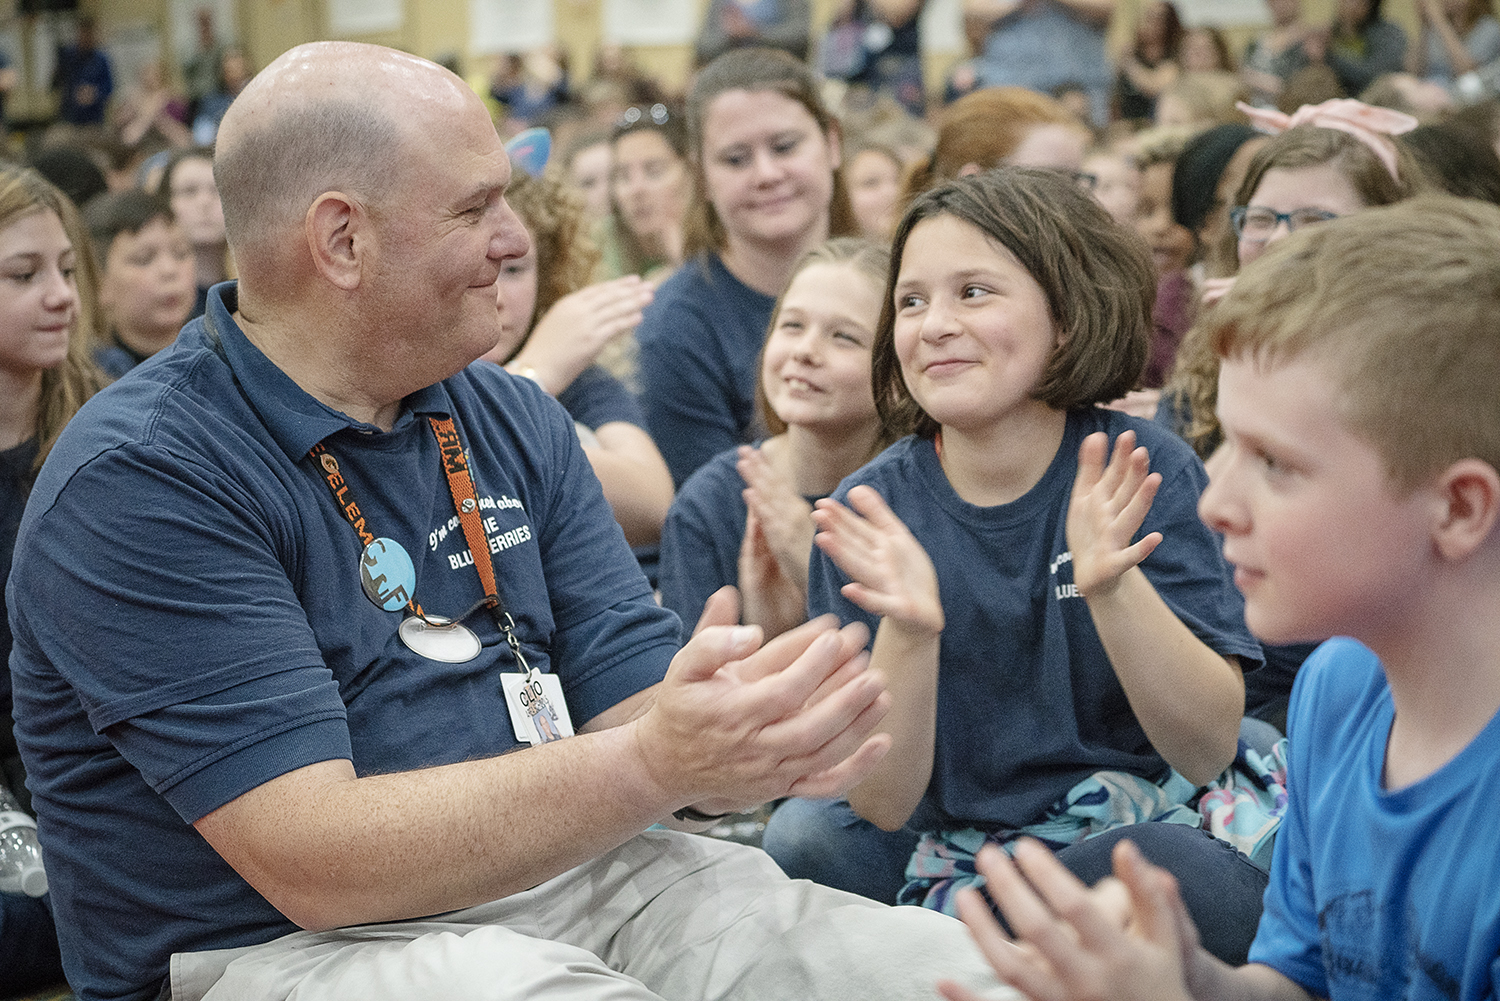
x,y
20,855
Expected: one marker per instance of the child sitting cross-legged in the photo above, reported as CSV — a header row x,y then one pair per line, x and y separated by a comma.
x,y
1358,491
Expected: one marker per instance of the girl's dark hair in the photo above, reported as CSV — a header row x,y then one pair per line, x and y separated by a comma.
x,y
662,118
1097,277
1457,160
753,69
1371,16
1172,32
129,211
164,183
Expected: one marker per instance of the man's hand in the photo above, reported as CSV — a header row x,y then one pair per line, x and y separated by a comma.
x,y
735,722
1074,943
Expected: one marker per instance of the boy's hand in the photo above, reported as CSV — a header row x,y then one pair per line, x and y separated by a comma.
x,y
1109,504
1073,942
892,574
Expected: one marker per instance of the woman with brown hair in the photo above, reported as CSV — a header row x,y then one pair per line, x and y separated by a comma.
x,y
765,153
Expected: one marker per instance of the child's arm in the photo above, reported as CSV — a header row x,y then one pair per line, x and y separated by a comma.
x,y
1073,942
892,577
1188,698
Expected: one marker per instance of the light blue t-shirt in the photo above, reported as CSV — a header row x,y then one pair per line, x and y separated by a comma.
x,y
1375,895
1043,46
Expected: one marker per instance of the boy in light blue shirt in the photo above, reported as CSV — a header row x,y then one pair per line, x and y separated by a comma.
x,y
1357,491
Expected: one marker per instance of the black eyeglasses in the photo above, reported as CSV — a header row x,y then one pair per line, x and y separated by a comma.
x,y
1257,224
656,114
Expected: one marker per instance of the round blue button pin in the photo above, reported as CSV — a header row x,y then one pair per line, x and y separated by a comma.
x,y
387,575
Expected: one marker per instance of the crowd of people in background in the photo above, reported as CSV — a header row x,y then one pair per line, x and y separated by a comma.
x,y
738,292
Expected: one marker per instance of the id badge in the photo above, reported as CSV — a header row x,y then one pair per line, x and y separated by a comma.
x,y
538,711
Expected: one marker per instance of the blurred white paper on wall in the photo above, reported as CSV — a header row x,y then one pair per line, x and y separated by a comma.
x,y
943,27
510,25
364,17
1223,13
650,22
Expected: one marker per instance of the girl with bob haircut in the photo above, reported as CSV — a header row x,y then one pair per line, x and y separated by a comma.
x,y
765,152
1058,630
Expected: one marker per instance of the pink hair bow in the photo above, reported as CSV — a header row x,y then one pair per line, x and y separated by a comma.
x,y
1371,125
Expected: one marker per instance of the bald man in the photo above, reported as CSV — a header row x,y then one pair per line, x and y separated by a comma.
x,y
287,595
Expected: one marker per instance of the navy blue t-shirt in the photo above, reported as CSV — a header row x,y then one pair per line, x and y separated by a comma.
x,y
15,482
700,542
1028,704
699,342
189,622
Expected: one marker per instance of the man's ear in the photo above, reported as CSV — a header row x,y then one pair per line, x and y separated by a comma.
x,y
337,230
1468,503
969,170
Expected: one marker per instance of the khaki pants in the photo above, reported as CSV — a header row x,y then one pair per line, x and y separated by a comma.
x,y
665,915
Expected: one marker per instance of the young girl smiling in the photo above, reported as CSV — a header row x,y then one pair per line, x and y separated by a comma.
x,y
745,517
1057,628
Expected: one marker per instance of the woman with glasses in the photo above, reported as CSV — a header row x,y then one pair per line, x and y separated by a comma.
x,y
1301,177
765,152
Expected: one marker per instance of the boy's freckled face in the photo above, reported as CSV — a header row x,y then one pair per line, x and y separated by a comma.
x,y
1321,541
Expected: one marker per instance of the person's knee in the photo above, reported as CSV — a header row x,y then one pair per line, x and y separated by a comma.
x,y
826,842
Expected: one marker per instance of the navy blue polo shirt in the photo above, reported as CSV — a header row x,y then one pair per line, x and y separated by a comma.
x,y
189,622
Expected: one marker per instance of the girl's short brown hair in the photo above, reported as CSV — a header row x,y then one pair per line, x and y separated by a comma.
x,y
1097,277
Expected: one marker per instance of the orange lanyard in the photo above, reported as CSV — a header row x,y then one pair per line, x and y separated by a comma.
x,y
465,504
